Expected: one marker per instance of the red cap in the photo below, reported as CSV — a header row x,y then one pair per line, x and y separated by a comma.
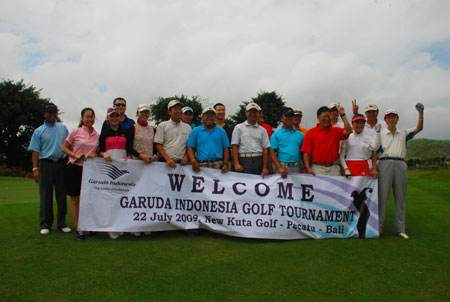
x,y
358,118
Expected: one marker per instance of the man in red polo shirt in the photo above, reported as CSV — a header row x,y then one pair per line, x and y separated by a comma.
x,y
321,144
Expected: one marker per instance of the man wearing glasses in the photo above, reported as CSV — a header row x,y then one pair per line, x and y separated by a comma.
x,y
124,122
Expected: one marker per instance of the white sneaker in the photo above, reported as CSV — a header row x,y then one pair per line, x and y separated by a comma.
x,y
45,231
114,235
403,235
65,230
136,234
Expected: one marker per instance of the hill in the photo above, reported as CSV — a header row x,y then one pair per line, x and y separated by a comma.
x,y
427,148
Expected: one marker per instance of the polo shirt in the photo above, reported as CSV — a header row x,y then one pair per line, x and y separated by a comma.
x,y
250,138
371,130
48,139
122,139
82,142
394,145
287,143
173,138
359,146
126,124
323,144
208,144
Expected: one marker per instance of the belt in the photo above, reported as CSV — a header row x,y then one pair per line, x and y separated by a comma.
x,y
210,160
392,158
250,154
55,160
326,165
291,164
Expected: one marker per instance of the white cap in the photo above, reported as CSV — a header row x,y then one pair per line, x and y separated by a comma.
x,y
173,103
143,107
391,111
331,106
251,106
208,109
371,107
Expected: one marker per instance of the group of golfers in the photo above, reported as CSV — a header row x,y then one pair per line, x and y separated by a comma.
x,y
361,146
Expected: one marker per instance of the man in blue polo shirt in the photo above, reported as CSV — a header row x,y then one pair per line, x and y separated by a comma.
x,y
285,145
124,121
49,163
210,142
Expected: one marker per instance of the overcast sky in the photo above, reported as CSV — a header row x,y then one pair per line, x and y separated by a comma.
x,y
313,53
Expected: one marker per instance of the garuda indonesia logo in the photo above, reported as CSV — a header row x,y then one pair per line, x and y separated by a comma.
x,y
111,170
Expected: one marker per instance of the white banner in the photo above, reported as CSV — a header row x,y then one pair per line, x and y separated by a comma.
x,y
130,196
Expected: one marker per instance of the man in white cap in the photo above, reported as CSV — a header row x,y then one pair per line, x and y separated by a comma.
x,y
171,137
210,142
250,144
392,167
371,111
188,116
335,116
298,115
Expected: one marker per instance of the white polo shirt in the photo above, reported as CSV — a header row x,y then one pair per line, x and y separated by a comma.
x,y
173,137
371,130
394,145
250,138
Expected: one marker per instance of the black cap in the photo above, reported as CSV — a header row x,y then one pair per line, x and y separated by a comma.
x,y
50,107
287,111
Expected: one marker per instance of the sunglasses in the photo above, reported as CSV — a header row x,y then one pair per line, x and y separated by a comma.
x,y
51,111
334,109
120,105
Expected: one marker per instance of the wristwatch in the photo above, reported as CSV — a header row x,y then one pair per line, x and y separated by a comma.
x,y
34,169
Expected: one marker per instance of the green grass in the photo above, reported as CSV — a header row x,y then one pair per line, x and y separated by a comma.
x,y
172,266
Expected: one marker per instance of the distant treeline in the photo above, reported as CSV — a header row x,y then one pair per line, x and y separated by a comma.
x,y
428,153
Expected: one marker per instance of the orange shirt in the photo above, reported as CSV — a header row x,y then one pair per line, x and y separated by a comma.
x,y
301,129
322,144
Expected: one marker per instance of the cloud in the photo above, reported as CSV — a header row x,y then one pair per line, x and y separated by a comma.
x,y
85,53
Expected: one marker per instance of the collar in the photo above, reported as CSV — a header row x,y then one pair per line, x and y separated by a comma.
x,y
203,128
246,123
50,125
174,123
143,124
321,129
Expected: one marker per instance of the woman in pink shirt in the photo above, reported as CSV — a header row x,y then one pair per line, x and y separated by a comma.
x,y
81,143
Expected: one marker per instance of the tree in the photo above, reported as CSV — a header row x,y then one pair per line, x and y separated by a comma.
x,y
160,112
271,104
22,112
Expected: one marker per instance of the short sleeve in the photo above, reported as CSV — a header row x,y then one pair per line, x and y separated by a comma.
x,y
71,137
265,140
236,137
159,135
307,143
35,143
192,140
274,141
